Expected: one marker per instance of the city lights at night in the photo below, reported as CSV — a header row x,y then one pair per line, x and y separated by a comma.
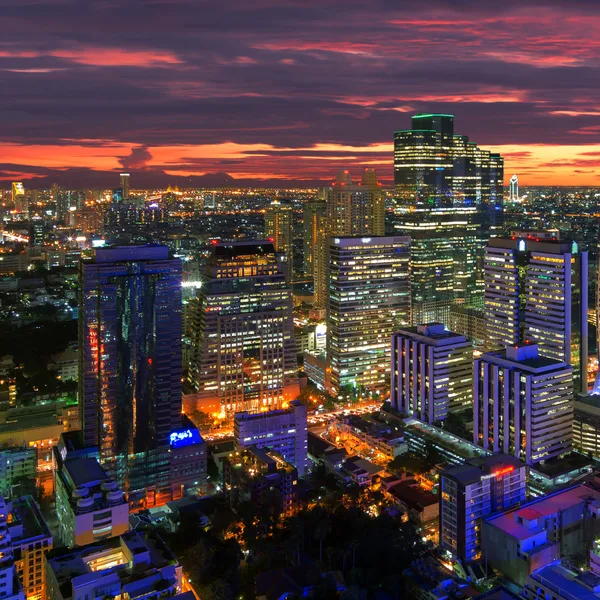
x,y
299,300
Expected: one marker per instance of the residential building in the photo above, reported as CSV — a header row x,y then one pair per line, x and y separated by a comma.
x,y
66,363
421,506
262,477
522,540
369,299
284,431
134,565
432,372
90,507
314,213
536,291
243,352
10,586
473,491
279,230
30,539
353,209
558,582
17,466
523,404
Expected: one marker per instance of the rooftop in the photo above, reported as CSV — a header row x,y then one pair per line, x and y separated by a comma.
x,y
541,508
567,584
473,470
85,472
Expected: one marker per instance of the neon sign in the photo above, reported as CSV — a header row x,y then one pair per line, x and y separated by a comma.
x,y
503,471
184,437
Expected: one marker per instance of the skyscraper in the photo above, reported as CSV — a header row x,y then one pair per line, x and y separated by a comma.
x,y
18,197
278,228
369,299
130,349
514,188
449,199
446,259
243,353
314,213
435,167
536,291
352,209
125,179
523,404
432,372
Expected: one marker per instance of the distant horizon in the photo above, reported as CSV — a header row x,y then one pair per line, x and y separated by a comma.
x,y
277,90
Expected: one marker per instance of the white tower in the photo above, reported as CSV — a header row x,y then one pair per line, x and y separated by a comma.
x,y
514,188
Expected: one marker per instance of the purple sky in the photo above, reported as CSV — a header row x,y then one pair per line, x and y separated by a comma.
x,y
279,90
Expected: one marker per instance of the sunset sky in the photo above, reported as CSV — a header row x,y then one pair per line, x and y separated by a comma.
x,y
283,90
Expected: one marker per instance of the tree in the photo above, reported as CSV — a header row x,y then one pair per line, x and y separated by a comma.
x,y
321,531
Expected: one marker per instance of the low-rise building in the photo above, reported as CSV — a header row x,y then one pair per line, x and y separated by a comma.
x,y
130,566
420,506
89,505
284,431
66,363
521,540
557,582
262,477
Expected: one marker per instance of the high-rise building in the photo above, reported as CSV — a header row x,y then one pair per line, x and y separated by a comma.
x,y
435,167
243,353
514,188
446,258
536,291
125,180
352,209
279,229
130,349
449,196
523,404
284,431
432,372
472,491
19,198
314,213
369,299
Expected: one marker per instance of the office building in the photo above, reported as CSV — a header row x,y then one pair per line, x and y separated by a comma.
x,y
369,299
134,565
130,356
125,179
10,586
19,198
243,355
446,258
514,188
536,291
471,492
279,229
523,404
284,431
17,466
521,540
90,507
30,539
432,372
314,213
353,209
435,167
586,426
262,477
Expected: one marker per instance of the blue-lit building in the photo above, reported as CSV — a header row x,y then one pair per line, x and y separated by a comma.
x,y
130,370
472,491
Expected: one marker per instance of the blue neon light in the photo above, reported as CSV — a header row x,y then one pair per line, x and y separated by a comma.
x,y
184,437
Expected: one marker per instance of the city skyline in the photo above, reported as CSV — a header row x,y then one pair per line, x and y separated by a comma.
x,y
278,92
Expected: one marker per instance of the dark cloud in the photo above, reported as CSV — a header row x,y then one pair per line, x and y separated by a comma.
x,y
137,75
